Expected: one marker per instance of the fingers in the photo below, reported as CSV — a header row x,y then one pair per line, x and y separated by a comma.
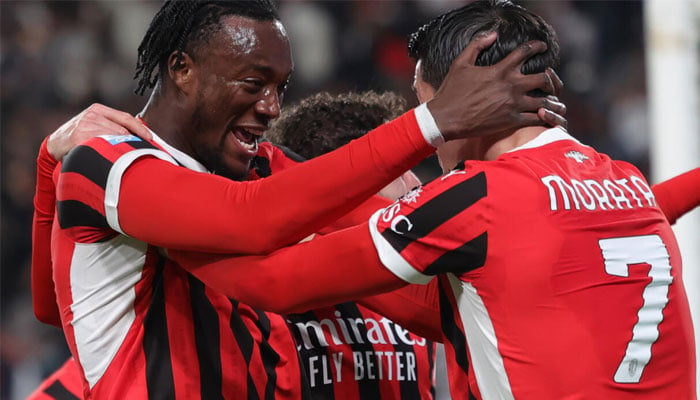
x,y
125,120
522,53
553,104
558,84
543,110
551,118
541,81
470,53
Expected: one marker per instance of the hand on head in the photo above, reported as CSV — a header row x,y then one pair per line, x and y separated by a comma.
x,y
477,101
95,120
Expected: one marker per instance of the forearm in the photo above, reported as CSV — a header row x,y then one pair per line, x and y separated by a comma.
x,y
414,307
43,294
257,217
328,270
678,195
357,216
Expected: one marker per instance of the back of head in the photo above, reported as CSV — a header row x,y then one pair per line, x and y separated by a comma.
x,y
438,43
186,26
323,122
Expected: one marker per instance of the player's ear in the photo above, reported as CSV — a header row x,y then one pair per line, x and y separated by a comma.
x,y
181,70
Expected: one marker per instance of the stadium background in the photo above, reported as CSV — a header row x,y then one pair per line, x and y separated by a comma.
x,y
59,57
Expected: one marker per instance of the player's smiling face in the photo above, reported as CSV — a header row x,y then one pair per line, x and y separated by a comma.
x,y
241,75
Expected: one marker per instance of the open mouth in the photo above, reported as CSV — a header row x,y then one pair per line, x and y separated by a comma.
x,y
247,139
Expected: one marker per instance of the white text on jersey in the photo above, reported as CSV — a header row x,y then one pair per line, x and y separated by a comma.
x,y
608,194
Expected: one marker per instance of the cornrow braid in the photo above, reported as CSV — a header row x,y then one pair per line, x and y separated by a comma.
x,y
183,23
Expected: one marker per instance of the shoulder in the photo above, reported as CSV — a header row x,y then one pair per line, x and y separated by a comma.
x,y
108,148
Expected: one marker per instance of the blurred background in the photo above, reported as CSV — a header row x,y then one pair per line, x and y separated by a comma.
x,y
58,57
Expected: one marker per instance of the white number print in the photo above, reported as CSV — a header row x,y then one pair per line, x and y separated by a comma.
x,y
619,254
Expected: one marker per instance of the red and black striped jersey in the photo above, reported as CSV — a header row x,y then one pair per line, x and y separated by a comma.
x,y
350,352
559,275
140,325
64,384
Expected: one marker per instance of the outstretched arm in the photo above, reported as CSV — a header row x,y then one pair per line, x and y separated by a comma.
x,y
169,206
328,270
678,195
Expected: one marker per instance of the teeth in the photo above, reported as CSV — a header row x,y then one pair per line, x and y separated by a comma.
x,y
252,147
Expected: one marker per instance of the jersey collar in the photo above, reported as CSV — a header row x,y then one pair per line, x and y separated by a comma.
x,y
181,157
546,137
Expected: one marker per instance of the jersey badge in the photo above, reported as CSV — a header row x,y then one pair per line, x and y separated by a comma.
x,y
116,139
412,196
577,156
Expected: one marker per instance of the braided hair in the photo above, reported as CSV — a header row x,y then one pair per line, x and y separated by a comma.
x,y
184,24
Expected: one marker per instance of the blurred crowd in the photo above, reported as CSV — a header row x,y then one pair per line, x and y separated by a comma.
x,y
57,57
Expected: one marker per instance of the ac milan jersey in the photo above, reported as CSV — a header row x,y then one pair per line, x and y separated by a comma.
x,y
140,325
350,352
560,277
64,384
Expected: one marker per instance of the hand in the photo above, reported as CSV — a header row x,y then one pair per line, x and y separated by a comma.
x,y
95,120
553,114
477,101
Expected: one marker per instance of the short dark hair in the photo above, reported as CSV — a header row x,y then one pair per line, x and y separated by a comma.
x,y
441,40
323,122
182,25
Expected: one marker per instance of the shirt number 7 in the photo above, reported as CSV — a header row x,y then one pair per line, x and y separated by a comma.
x,y
619,254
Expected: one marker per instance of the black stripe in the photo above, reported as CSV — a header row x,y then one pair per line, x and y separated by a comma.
x,y
431,365
160,383
72,213
207,340
452,332
87,162
321,390
438,210
368,389
140,144
261,165
59,392
245,344
410,390
269,356
463,259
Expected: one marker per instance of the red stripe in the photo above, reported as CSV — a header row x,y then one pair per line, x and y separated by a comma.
x,y
185,362
234,376
77,187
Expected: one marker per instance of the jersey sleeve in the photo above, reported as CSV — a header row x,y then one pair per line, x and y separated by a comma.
x,y
169,206
328,270
679,195
272,159
414,307
43,293
415,236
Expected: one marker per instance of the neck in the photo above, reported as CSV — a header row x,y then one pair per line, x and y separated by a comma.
x,y
512,141
484,148
167,118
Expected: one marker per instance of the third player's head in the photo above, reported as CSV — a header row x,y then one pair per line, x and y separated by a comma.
x,y
437,44
323,122
219,70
